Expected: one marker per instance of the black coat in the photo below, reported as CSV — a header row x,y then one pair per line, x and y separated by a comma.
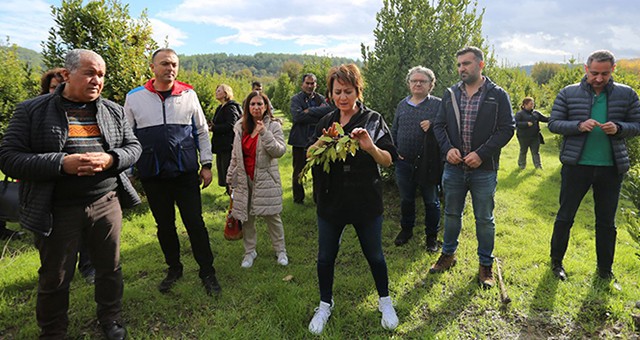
x,y
573,106
224,119
31,151
492,131
523,117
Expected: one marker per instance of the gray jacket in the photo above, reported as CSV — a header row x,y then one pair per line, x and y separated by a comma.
x,y
573,106
266,197
31,151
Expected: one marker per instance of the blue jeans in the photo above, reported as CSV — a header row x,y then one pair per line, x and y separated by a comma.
x,y
370,237
576,181
456,182
407,187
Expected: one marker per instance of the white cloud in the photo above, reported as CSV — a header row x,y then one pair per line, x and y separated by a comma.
x,y
302,23
25,25
164,32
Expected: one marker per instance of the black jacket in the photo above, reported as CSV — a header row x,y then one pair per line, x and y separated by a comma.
x,y
304,123
492,130
224,119
352,190
573,106
31,151
523,117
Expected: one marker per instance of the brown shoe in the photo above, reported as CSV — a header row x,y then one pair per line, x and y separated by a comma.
x,y
485,276
444,263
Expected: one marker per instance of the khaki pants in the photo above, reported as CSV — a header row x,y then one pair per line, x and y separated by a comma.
x,y
274,226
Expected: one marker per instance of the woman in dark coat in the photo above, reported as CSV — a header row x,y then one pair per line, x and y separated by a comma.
x,y
225,117
528,132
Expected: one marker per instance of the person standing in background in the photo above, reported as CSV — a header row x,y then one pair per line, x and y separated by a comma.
x,y
307,107
528,132
225,117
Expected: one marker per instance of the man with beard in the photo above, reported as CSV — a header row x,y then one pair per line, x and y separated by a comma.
x,y
473,124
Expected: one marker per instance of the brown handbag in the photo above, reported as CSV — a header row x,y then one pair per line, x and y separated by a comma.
x,y
232,226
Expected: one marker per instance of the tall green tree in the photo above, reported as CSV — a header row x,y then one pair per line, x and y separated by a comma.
x,y
411,33
542,72
18,82
282,94
105,27
319,67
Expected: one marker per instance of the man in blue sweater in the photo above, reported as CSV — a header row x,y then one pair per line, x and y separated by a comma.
x,y
410,130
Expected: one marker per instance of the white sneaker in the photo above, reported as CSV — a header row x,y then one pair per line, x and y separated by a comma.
x,y
247,261
283,260
320,318
389,318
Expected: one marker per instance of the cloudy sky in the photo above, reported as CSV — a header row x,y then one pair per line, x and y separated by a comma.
x,y
521,32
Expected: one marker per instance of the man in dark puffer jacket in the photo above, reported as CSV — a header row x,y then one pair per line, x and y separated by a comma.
x,y
69,149
594,116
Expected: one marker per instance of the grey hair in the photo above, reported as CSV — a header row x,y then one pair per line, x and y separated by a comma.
x,y
421,69
601,56
73,58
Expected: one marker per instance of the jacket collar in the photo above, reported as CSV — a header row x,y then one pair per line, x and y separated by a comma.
x,y
177,90
588,87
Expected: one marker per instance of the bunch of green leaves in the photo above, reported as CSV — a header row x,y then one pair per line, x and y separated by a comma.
x,y
334,148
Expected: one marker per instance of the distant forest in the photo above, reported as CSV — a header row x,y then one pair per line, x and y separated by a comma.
x,y
260,65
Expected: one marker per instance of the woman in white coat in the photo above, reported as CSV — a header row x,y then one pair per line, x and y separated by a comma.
x,y
254,177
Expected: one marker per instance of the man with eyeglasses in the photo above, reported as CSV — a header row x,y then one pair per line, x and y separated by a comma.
x,y
307,107
167,118
412,133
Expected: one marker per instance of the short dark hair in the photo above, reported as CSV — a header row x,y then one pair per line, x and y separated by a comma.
x,y
304,76
601,56
346,74
476,51
255,83
164,49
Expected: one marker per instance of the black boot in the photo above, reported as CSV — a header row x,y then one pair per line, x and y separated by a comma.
x,y
432,243
403,237
558,270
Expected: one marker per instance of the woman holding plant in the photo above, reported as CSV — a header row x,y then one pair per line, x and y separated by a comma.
x,y
349,190
254,177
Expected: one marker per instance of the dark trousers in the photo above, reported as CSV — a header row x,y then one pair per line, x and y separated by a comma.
x,y
99,224
407,188
223,160
183,191
299,160
527,143
576,181
84,259
370,237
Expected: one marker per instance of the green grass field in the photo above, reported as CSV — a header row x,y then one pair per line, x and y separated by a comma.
x,y
258,303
